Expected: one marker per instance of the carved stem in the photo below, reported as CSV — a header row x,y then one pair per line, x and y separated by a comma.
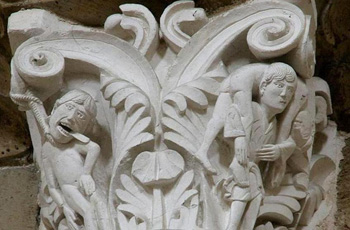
x,y
158,215
158,135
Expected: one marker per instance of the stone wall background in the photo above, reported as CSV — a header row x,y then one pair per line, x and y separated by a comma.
x,y
19,183
333,65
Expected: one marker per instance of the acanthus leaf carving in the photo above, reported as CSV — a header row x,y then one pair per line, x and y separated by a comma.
x,y
157,210
157,167
227,141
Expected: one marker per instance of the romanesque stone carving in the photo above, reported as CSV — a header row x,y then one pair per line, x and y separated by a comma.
x,y
198,123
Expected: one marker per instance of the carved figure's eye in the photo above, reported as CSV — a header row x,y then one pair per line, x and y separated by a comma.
x,y
279,84
80,115
69,106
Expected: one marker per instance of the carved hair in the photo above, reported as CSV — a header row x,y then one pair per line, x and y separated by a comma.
x,y
279,71
80,97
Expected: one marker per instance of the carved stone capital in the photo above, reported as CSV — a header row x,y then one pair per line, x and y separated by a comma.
x,y
200,122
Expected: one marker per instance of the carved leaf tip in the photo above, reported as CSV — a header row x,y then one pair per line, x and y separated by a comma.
x,y
137,26
180,21
119,91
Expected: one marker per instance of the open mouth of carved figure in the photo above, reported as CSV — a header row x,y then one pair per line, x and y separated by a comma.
x,y
64,129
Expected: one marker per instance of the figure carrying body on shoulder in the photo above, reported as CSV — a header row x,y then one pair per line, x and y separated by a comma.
x,y
250,128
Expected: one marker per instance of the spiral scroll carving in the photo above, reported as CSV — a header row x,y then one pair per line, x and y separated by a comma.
x,y
177,125
275,36
39,66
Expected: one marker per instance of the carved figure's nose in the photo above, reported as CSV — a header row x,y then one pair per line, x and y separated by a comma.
x,y
284,92
70,117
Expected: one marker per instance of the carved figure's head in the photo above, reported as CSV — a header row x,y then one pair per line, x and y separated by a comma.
x,y
74,112
302,128
321,113
277,86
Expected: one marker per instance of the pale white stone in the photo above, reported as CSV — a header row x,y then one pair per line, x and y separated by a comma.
x,y
180,21
136,25
215,128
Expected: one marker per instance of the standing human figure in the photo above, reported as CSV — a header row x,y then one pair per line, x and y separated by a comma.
x,y
250,129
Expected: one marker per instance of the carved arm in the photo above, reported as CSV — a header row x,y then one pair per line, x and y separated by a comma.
x,y
217,122
92,153
277,170
51,183
86,181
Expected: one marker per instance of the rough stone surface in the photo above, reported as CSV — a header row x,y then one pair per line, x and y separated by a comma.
x,y
343,187
91,12
18,195
14,136
95,12
333,59
333,65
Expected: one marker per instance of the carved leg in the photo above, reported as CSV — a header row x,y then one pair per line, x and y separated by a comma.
x,y
78,203
203,159
101,212
251,214
237,210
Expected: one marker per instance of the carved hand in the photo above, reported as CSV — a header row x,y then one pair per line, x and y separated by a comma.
x,y
229,180
241,150
268,153
70,217
87,184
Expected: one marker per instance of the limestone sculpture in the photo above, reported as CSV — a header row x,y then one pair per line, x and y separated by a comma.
x,y
198,123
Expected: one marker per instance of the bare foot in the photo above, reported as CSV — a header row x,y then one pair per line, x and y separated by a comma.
x,y
206,164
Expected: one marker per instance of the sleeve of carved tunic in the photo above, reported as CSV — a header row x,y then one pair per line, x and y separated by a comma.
x,y
277,168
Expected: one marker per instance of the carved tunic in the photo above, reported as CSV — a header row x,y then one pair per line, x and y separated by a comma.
x,y
261,133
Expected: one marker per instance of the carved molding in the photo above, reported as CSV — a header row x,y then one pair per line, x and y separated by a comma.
x,y
198,123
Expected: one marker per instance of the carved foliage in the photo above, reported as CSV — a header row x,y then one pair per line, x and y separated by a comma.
x,y
136,25
176,209
150,174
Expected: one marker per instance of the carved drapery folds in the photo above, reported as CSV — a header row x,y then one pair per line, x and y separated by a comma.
x,y
196,123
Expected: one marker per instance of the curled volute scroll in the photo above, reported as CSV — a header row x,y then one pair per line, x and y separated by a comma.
x,y
137,25
211,110
180,21
42,71
227,142
273,20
